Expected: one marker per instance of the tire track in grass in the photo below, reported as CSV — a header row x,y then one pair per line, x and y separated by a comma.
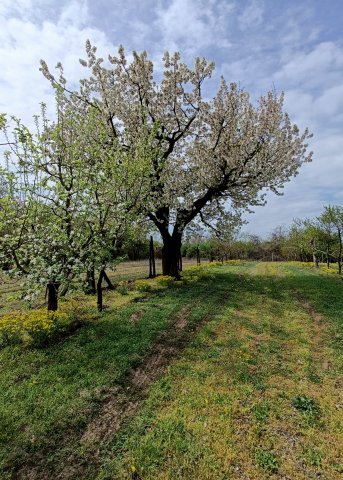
x,y
230,408
124,399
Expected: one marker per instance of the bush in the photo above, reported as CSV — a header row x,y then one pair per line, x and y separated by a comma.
x,y
197,274
266,460
306,404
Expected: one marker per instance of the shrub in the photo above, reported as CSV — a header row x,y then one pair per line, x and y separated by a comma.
x,y
306,404
77,310
197,274
39,326
124,286
266,460
216,263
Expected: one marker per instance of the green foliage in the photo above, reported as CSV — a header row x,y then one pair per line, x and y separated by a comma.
x,y
266,460
261,411
38,327
306,405
56,390
314,457
123,288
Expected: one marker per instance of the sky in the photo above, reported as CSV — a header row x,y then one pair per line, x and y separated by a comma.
x,y
290,46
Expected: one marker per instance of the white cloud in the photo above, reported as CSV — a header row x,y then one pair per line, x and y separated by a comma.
x,y
8,7
24,43
75,14
252,16
193,24
322,65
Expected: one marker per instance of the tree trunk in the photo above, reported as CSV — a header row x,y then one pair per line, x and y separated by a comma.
x,y
198,256
152,264
327,256
171,253
180,262
52,291
90,287
315,261
340,253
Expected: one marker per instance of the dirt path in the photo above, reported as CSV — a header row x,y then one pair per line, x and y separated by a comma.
x,y
125,399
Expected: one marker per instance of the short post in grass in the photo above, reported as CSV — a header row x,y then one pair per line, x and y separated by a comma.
x,y
52,293
198,256
152,264
179,266
99,291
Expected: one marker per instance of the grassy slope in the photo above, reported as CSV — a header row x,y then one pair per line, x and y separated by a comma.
x,y
223,410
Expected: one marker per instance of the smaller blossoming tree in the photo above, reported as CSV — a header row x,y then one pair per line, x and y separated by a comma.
x,y
67,202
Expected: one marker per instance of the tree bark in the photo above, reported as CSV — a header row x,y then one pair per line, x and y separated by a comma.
x,y
108,281
152,264
340,253
315,261
90,287
198,256
171,252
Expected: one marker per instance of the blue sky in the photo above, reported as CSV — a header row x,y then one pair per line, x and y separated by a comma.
x,y
287,45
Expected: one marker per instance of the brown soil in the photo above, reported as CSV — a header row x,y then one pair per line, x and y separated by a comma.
x,y
135,317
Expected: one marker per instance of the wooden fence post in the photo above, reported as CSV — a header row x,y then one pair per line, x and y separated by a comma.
x,y
152,264
52,291
99,291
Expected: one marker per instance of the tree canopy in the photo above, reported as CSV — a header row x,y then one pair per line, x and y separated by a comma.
x,y
209,158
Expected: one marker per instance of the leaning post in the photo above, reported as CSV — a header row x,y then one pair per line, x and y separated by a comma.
x,y
152,264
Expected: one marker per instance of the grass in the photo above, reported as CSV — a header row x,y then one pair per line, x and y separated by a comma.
x,y
255,394
226,407
48,395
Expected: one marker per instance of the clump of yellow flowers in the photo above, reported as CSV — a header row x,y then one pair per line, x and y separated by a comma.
x,y
143,285
31,326
165,280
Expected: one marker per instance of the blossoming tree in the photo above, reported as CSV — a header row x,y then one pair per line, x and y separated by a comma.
x,y
211,158
67,202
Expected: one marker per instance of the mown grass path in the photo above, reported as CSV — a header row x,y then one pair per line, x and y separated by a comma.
x,y
257,395
240,377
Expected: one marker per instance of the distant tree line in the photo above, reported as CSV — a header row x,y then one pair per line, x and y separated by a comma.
x,y
306,240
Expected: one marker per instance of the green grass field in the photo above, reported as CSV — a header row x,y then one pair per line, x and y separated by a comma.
x,y
235,374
